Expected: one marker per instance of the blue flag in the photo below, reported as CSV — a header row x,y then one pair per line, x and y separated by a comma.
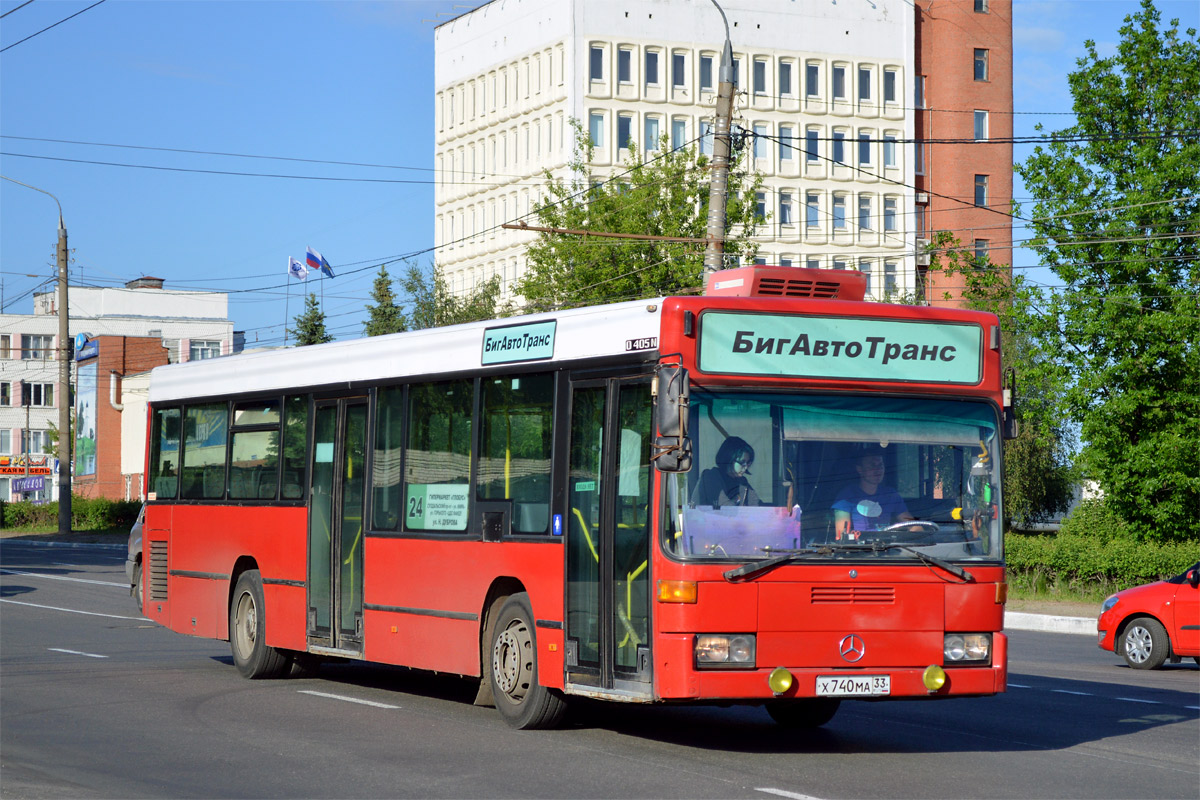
x,y
317,261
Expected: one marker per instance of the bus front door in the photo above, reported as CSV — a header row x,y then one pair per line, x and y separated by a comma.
x,y
335,525
608,537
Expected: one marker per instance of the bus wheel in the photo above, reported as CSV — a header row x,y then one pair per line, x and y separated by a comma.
x,y
811,713
248,628
520,699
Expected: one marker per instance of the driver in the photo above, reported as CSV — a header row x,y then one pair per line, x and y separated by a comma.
x,y
867,504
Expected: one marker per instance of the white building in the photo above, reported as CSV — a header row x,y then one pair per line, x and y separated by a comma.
x,y
825,86
192,325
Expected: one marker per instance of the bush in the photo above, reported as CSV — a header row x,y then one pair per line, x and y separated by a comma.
x,y
87,513
1094,552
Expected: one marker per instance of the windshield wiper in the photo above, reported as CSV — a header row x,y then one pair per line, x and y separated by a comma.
x,y
752,570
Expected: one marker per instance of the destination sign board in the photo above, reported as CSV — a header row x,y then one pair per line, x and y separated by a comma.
x,y
511,343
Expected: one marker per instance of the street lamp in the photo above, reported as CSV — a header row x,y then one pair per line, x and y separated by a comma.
x,y
64,373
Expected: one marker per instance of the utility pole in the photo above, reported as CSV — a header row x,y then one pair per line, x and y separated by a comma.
x,y
64,373
718,187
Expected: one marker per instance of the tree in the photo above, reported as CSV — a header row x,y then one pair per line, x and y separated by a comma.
x,y
667,196
385,316
434,305
1038,463
1115,215
310,325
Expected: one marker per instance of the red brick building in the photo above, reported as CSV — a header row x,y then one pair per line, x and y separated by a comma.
x,y
964,93
100,415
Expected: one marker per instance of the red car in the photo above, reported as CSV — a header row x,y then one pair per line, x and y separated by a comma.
x,y
1153,623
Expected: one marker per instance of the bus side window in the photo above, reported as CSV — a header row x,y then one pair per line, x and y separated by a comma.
x,y
514,452
164,455
385,470
204,433
437,456
295,446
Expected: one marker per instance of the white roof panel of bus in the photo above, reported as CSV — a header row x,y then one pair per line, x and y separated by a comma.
x,y
581,333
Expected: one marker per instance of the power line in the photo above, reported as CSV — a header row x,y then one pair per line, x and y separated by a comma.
x,y
18,8
48,27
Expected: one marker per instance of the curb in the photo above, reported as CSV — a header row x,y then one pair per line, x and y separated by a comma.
x,y
68,545
1048,623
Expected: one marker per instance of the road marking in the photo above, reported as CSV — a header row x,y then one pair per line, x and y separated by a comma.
x,y
62,578
1192,708
1136,700
347,699
1018,686
1068,691
72,610
75,652
783,793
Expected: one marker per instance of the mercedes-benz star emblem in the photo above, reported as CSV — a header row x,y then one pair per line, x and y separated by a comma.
x,y
852,648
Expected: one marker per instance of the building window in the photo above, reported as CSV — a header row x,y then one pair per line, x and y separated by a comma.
x,y
596,128
760,206
813,263
651,68
810,145
981,190
760,141
889,214
760,76
889,151
202,349
919,91
737,73
889,86
5,346
889,278
706,138
864,266
596,71
625,65
652,134
624,130
5,441
864,83
920,219
37,347
839,83
981,6
981,64
785,208
34,441
678,133
839,147
785,78
839,263
981,125
981,251
5,393
785,262
919,161
839,212
864,212
812,80
811,210
864,149
787,150
678,71
706,73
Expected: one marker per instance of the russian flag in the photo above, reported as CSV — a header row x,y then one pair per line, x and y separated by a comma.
x,y
317,261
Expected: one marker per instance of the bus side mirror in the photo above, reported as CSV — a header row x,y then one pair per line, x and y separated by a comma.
x,y
672,447
1010,397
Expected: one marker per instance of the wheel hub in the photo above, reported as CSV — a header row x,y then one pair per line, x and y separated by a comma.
x,y
512,662
1138,644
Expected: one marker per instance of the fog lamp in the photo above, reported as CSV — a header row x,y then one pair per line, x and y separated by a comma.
x,y
780,680
934,677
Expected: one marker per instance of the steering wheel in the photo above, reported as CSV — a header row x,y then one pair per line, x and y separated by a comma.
x,y
932,527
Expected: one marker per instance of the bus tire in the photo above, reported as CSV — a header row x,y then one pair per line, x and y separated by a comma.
x,y
248,631
809,713
1144,644
523,702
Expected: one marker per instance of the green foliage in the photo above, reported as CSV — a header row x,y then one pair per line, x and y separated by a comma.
x,y
87,513
385,316
434,305
1116,207
667,196
310,324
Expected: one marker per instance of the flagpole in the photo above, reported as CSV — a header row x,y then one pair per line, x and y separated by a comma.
x,y
287,297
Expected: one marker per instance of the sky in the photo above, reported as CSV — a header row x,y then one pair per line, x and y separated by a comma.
x,y
226,115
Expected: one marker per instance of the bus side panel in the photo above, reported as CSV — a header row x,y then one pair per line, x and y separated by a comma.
x,y
426,600
206,543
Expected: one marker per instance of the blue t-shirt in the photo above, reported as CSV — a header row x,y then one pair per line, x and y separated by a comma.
x,y
869,512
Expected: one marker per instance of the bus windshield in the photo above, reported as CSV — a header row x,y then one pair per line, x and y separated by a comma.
x,y
779,472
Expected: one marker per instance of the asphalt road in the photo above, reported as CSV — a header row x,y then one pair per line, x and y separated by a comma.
x,y
98,702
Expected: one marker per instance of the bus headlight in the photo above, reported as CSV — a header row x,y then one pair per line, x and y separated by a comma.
x,y
725,650
960,648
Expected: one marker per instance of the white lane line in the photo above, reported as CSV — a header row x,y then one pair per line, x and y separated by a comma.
x,y
61,578
1136,700
1068,691
1019,686
75,652
347,699
783,793
1192,708
71,610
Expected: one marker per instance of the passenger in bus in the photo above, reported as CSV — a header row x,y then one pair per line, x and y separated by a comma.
x,y
725,484
867,504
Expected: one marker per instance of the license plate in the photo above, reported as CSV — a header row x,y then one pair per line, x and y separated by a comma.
x,y
853,685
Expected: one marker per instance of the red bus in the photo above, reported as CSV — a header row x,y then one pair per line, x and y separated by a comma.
x,y
771,494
